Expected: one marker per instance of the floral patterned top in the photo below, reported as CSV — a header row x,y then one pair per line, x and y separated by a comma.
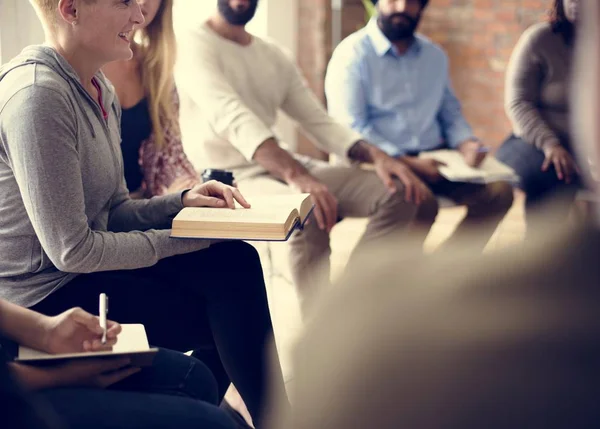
x,y
162,166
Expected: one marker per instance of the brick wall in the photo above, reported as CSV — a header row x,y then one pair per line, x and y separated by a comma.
x,y
478,35
314,51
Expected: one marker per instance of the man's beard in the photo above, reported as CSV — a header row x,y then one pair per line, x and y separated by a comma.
x,y
235,17
396,31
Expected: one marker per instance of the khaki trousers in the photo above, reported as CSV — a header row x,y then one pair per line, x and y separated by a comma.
x,y
360,194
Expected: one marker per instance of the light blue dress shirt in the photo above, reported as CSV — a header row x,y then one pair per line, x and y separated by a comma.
x,y
402,103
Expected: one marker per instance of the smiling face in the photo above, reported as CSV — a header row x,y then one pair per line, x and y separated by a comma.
x,y
104,27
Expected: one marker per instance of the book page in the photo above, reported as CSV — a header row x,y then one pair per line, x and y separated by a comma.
x,y
457,168
251,215
286,203
264,209
131,339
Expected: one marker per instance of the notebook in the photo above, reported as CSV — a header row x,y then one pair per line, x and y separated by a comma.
x,y
131,342
270,218
457,170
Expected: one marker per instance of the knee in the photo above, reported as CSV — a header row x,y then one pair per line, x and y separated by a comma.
x,y
236,252
237,248
501,196
537,183
241,268
201,383
184,375
428,210
395,205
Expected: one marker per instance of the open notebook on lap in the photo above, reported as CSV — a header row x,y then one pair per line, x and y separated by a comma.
x,y
131,342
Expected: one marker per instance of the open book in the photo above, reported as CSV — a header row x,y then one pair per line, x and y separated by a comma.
x,y
457,170
270,218
131,342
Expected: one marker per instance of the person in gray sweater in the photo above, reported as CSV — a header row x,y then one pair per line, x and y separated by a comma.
x,y
536,100
69,230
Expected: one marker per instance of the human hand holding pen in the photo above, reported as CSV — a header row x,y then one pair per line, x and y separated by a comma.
x,y
474,152
75,330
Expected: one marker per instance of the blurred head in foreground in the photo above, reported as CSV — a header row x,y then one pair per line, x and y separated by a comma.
x,y
510,340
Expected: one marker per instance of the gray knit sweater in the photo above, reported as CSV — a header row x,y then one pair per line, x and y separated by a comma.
x,y
537,87
64,206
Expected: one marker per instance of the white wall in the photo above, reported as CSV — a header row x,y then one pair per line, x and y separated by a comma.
x,y
19,27
282,25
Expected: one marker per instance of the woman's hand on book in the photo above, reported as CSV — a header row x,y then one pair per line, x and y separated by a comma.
x,y
214,194
98,373
76,330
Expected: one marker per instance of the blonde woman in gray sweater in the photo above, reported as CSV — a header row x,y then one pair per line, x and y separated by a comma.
x,y
536,99
69,229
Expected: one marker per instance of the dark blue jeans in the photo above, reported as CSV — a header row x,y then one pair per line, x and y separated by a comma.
x,y
212,299
178,391
539,186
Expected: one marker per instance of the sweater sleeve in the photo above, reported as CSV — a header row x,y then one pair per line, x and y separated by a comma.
x,y
523,88
302,105
39,134
201,76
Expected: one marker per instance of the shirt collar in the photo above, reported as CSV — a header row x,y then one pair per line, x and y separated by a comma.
x,y
382,45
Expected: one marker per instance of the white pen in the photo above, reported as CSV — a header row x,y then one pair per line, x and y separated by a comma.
x,y
102,312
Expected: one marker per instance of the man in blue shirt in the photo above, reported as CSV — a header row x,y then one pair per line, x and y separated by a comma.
x,y
393,87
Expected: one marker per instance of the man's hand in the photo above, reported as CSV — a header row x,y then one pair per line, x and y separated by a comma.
x,y
563,162
426,168
326,205
214,194
473,152
387,168
76,331
99,373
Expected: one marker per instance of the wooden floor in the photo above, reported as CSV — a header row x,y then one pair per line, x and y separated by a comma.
x,y
282,297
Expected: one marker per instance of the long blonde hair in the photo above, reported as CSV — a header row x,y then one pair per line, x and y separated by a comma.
x,y
158,53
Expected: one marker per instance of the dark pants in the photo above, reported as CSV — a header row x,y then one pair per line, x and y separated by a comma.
x,y
178,391
486,207
190,302
539,186
19,410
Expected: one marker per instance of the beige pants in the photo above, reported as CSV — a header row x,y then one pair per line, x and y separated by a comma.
x,y
360,193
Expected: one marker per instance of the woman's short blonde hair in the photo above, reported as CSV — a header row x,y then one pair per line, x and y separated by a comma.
x,y
47,8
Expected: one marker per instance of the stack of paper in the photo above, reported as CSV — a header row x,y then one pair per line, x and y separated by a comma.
x,y
457,170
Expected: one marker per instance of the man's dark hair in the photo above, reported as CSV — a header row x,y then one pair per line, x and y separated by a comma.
x,y
423,3
559,22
